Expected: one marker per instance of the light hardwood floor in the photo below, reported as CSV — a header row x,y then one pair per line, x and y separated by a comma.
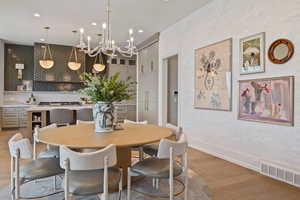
x,y
227,181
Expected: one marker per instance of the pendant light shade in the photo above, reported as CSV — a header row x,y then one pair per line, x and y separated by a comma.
x,y
74,65
46,62
99,66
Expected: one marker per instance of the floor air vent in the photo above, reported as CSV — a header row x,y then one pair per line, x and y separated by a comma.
x,y
280,173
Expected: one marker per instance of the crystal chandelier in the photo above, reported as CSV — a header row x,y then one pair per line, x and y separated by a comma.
x,y
107,45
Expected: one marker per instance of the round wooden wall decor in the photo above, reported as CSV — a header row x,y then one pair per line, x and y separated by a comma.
x,y
281,51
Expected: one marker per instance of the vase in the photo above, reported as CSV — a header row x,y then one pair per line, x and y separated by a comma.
x,y
103,113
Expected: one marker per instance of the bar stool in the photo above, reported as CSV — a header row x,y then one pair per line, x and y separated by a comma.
x,y
61,117
85,114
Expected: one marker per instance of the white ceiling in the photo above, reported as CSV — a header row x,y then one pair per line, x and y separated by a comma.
x,y
18,25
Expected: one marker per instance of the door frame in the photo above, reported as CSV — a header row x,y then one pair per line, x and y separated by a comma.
x,y
164,92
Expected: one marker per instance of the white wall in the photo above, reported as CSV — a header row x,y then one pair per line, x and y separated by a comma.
x,y
1,71
219,132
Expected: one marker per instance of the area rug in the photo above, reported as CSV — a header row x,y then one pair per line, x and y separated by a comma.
x,y
197,190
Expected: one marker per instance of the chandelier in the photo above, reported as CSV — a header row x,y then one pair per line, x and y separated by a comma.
x,y
106,44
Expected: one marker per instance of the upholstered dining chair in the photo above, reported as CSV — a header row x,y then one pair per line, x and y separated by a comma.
x,y
152,149
90,173
137,148
61,117
85,114
20,148
51,151
165,166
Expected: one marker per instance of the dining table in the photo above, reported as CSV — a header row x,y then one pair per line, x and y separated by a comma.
x,y
83,137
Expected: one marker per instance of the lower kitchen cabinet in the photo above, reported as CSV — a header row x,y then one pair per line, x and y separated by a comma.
x,y
13,117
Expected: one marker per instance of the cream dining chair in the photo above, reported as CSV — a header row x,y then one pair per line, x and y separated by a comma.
x,y
20,148
164,166
90,173
51,151
152,149
137,148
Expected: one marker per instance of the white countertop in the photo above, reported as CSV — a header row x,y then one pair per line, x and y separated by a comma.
x,y
31,107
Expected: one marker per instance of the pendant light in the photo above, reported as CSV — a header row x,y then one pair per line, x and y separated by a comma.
x,y
74,65
98,66
46,62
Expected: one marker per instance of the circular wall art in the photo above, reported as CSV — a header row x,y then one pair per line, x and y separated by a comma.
x,y
281,51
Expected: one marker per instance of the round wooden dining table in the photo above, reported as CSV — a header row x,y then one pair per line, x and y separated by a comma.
x,y
83,136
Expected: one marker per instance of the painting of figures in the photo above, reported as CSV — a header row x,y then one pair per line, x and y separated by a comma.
x,y
213,67
267,100
252,54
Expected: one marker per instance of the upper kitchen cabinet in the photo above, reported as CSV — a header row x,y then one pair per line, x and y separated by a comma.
x,y
127,68
14,56
148,80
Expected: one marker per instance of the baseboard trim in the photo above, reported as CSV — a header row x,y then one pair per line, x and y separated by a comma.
x,y
223,154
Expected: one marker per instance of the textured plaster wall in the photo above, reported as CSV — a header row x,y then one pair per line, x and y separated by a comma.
x,y
219,132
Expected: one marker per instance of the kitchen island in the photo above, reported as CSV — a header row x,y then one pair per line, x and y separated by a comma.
x,y
38,115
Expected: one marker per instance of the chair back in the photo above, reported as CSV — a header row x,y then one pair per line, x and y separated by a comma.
x,y
20,145
126,121
88,161
85,114
38,130
177,130
179,147
78,122
61,116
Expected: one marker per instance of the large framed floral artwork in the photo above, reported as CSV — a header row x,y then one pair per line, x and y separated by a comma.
x,y
213,68
269,100
252,54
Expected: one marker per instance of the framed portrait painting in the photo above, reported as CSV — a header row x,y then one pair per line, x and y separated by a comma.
x,y
213,68
269,100
252,54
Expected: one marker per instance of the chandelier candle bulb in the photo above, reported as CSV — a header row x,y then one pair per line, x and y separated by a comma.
x,y
130,31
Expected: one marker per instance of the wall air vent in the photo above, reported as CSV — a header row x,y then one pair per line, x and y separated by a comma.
x,y
280,173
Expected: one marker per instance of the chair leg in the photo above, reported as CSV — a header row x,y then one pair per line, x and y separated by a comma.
x,y
141,154
129,185
12,179
120,185
157,183
17,178
54,183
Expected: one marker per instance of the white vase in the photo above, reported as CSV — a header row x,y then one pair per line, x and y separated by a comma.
x,y
103,113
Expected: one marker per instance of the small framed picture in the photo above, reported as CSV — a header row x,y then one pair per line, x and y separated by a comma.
x,y
252,54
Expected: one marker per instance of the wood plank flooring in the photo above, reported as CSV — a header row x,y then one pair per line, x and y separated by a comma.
x,y
227,181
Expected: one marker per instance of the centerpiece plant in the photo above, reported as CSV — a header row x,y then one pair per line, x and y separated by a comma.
x,y
104,91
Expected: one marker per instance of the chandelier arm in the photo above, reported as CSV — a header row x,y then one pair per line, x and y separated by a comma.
x,y
94,54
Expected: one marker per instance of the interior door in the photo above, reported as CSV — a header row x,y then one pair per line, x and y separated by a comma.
x,y
172,96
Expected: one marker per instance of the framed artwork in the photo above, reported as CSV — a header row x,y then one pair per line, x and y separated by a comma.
x,y
269,100
252,54
213,68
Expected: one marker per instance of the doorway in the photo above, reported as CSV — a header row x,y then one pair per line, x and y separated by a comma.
x,y
172,90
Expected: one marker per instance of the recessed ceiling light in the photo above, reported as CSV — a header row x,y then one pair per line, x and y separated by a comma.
x,y
36,15
42,40
165,0
94,24
141,31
